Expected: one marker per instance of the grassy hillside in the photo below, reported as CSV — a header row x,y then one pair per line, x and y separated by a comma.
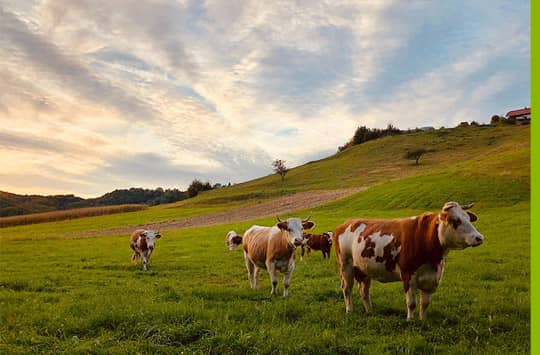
x,y
488,157
85,296
382,160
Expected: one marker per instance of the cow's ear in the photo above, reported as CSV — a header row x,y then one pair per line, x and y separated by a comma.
x,y
158,235
472,216
308,225
444,217
283,226
143,234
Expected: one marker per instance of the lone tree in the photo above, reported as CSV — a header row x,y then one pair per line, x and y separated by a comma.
x,y
197,186
280,168
415,154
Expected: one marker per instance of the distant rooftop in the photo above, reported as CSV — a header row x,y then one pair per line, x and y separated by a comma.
x,y
520,112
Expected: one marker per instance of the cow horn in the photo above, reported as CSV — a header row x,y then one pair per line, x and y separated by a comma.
x,y
466,207
279,219
307,219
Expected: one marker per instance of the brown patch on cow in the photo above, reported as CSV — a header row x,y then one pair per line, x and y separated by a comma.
x,y
369,249
283,226
236,240
406,279
142,244
359,275
455,222
389,260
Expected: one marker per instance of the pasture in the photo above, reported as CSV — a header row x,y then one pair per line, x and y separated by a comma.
x,y
83,295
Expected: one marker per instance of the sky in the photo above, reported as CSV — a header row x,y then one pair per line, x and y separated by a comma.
x,y
98,94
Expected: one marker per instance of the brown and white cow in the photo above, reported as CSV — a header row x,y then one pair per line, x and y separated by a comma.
x,y
411,250
142,243
322,242
233,240
273,248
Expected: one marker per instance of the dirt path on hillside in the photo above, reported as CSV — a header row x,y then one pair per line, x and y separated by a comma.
x,y
277,206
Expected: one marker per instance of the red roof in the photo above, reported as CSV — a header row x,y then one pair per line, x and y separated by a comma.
x,y
523,111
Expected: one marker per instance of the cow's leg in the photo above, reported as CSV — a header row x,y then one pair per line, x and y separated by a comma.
x,y
410,296
256,277
145,262
287,277
135,253
308,251
425,298
347,281
271,267
302,255
250,268
364,293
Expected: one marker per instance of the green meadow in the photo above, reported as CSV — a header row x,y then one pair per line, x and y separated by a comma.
x,y
83,295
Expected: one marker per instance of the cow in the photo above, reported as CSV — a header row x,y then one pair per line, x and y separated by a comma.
x,y
142,243
411,250
273,248
322,242
233,240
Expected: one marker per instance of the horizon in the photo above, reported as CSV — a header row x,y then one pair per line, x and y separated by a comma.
x,y
146,95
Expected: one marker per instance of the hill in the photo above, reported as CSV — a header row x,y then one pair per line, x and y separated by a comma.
x,y
479,151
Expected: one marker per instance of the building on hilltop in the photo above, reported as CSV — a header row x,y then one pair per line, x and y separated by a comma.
x,y
521,116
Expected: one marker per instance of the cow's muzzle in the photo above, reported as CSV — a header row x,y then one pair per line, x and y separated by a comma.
x,y
477,240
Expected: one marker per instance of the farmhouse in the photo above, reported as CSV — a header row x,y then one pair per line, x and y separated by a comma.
x,y
522,116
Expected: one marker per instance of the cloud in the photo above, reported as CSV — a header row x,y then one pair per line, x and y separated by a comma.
x,y
161,92
14,140
29,47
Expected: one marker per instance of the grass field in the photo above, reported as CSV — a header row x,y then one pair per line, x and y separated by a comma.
x,y
84,296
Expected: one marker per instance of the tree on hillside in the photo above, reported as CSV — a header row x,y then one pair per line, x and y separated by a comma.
x,y
415,154
496,119
197,186
280,168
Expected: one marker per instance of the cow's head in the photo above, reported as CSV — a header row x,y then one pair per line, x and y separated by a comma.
x,y
455,227
228,240
295,227
233,240
150,237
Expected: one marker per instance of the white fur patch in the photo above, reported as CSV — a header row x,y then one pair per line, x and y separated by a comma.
x,y
369,265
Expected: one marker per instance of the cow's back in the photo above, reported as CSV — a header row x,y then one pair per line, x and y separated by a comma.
x,y
255,241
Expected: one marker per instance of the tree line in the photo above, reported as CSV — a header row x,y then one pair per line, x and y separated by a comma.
x,y
364,134
15,205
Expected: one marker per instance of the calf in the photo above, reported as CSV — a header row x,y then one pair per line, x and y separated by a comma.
x,y
322,242
411,250
233,240
142,243
273,248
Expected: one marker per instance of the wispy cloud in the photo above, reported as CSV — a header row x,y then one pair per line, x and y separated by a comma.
x,y
129,92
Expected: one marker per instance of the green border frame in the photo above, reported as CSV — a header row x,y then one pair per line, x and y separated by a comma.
x,y
535,187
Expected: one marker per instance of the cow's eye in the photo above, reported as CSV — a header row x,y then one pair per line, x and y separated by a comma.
x,y
455,222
